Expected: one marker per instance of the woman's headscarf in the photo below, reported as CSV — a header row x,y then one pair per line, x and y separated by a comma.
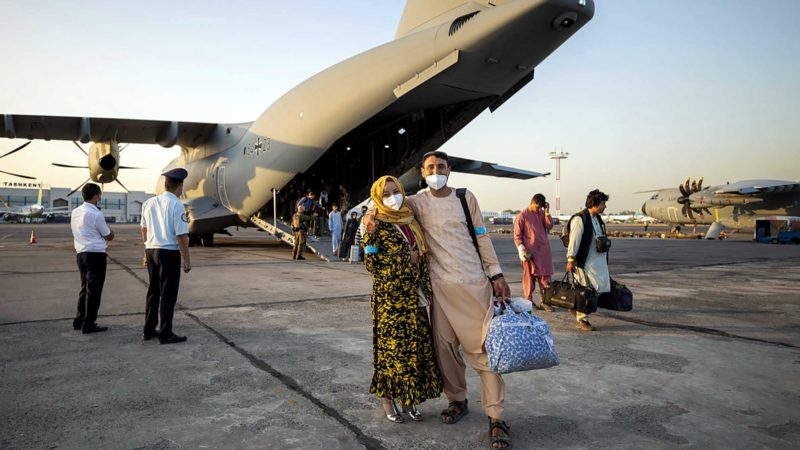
x,y
402,216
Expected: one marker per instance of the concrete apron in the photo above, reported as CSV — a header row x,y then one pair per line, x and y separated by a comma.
x,y
279,356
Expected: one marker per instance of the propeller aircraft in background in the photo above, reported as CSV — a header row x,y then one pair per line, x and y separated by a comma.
x,y
732,205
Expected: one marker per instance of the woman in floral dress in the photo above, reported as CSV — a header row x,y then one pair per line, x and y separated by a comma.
x,y
405,369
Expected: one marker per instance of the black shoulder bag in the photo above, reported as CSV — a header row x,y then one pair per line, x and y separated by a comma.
x,y
461,193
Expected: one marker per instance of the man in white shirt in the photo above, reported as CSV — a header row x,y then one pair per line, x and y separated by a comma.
x,y
585,256
165,233
90,232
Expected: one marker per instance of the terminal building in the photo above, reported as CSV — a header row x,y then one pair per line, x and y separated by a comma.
x,y
116,206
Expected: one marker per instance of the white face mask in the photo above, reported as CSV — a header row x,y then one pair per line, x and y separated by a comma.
x,y
393,202
436,182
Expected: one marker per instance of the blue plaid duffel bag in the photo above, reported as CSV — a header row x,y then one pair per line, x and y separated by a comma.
x,y
519,341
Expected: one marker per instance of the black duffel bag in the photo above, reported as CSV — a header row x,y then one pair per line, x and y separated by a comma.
x,y
567,293
619,299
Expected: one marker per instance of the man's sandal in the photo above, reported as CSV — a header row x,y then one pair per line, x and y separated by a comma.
x,y
502,441
454,412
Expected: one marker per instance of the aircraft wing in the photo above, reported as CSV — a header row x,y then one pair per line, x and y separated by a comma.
x,y
464,165
96,129
758,187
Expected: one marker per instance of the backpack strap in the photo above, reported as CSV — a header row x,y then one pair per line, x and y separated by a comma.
x,y
461,193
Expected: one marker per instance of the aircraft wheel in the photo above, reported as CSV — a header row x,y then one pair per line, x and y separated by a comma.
x,y
208,240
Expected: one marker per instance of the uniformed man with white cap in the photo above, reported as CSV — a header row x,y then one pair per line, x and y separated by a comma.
x,y
165,233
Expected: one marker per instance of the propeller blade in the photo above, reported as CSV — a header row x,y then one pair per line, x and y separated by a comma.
x,y
17,149
700,184
17,175
687,211
80,148
76,189
694,186
683,191
698,211
686,185
129,167
69,166
123,186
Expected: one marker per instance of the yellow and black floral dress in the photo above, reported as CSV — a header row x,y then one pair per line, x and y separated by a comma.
x,y
404,363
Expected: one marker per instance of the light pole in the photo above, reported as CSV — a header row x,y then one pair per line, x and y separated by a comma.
x,y
558,156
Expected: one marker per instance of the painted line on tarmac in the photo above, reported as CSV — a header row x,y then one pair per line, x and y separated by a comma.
x,y
129,270
696,329
179,307
292,384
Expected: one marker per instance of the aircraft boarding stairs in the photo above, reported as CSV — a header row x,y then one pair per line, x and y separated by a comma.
x,y
320,247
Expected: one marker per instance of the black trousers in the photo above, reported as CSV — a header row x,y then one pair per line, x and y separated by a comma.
x,y
92,266
164,270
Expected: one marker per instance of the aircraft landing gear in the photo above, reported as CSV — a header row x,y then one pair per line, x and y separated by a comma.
x,y
207,239
194,240
204,240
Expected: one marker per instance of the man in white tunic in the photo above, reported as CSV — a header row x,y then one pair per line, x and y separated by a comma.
x,y
462,293
590,266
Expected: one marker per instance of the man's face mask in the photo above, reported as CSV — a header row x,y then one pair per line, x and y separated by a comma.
x,y
393,202
436,182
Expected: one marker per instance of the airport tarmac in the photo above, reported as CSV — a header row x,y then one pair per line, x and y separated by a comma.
x,y
279,354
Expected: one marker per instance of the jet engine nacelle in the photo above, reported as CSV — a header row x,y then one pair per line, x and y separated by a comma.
x,y
104,162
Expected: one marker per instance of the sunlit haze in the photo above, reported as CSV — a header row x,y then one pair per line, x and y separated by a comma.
x,y
646,95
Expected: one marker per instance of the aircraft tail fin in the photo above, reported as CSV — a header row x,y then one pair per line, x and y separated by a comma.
x,y
420,14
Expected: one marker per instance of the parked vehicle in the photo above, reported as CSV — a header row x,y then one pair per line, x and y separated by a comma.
x,y
778,230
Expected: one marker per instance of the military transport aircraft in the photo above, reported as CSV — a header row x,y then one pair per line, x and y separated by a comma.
x,y
732,205
450,60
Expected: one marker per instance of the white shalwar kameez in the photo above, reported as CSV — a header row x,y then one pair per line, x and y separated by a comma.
x,y
595,271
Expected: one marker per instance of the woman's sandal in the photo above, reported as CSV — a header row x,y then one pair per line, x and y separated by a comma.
x,y
499,442
454,412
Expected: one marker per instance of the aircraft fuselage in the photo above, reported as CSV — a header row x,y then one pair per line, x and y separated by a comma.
x,y
489,53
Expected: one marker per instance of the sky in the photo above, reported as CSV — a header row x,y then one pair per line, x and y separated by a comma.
x,y
645,95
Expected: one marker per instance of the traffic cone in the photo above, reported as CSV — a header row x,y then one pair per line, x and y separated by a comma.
x,y
33,237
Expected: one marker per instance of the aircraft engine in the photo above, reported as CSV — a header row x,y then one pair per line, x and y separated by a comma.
x,y
688,190
104,162
703,200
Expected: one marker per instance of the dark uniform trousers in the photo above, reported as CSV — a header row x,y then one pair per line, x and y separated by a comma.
x,y
164,270
92,266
